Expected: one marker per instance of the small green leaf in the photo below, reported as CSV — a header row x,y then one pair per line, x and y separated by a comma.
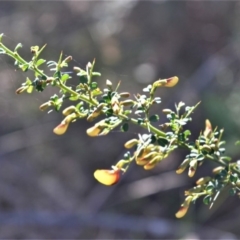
x,y
234,177
207,199
180,105
157,100
126,156
127,112
96,92
24,67
73,98
182,121
153,139
94,85
226,158
223,173
57,75
28,82
2,51
109,112
210,186
162,142
139,112
30,89
97,74
19,45
65,77
222,150
51,63
232,191
154,118
200,157
40,62
187,133
148,88
140,121
79,105
83,79
124,127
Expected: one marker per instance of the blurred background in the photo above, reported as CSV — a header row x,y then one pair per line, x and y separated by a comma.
x,y
47,190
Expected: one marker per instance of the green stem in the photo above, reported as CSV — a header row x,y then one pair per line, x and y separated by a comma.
x,y
12,54
144,125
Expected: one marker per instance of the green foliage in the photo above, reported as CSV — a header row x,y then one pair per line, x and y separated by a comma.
x,y
87,100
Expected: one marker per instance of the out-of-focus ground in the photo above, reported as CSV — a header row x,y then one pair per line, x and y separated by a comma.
x,y
47,190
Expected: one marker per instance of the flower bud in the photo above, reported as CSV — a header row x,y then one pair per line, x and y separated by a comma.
x,y
107,177
164,126
21,89
104,132
205,147
141,162
68,59
115,105
100,128
208,128
192,191
124,94
139,155
68,110
192,168
61,128
46,105
127,102
109,83
89,65
167,111
150,156
77,69
184,207
169,82
93,131
203,180
182,166
150,165
131,143
96,112
70,118
93,115
49,79
217,169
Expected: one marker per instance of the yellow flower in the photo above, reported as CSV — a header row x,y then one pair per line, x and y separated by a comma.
x,y
61,128
107,177
184,207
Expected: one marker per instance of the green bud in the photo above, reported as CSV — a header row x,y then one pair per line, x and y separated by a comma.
x,y
68,59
